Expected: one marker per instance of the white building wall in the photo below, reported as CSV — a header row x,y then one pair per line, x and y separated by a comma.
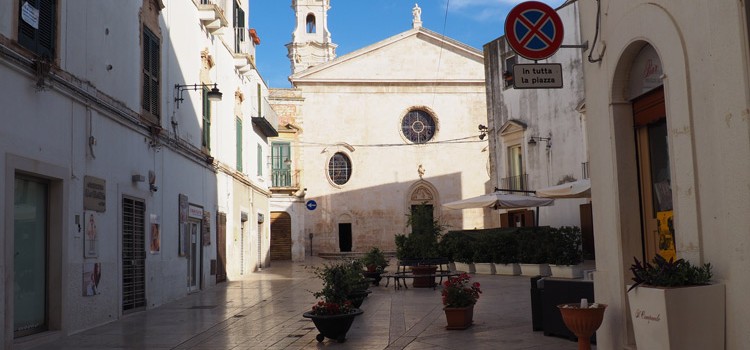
x,y
704,52
85,122
548,113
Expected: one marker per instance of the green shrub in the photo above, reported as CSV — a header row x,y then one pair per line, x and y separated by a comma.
x,y
533,245
422,242
505,248
670,273
565,246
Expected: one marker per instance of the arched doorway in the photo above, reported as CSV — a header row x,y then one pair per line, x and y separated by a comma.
x,y
281,236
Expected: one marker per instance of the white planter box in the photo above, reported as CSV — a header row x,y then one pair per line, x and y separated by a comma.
x,y
507,269
683,318
484,268
566,271
465,267
535,270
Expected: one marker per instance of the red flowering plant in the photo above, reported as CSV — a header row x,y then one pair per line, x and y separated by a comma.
x,y
460,292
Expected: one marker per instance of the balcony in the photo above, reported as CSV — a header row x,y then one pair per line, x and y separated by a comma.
x,y
517,183
244,51
286,179
267,121
212,16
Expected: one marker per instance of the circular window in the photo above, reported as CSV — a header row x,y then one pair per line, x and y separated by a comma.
x,y
339,168
418,126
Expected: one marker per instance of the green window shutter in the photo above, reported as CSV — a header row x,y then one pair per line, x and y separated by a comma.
x,y
260,102
280,167
260,160
41,40
239,144
151,68
206,139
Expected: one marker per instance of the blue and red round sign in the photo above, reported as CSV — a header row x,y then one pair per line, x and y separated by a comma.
x,y
534,30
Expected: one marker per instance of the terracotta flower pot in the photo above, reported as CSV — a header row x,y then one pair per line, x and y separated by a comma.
x,y
459,317
427,281
583,322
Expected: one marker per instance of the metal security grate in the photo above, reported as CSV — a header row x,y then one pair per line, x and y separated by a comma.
x,y
133,254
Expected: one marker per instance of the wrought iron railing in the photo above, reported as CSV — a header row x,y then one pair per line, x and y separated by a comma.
x,y
518,182
285,178
585,170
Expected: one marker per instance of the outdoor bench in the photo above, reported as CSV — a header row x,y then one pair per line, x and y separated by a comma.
x,y
404,271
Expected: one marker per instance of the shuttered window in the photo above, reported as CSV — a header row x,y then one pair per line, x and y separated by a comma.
x,y
151,64
239,144
41,14
260,160
206,136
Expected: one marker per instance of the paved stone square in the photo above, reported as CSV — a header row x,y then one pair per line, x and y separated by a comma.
x,y
265,312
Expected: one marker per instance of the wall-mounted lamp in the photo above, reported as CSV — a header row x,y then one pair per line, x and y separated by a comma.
x,y
534,139
482,131
213,95
287,162
138,178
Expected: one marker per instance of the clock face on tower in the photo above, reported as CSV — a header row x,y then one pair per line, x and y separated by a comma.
x,y
418,126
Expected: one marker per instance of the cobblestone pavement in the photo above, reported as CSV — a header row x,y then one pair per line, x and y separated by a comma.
x,y
265,312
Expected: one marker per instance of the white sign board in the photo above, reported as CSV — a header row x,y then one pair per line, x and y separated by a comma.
x,y
30,15
538,76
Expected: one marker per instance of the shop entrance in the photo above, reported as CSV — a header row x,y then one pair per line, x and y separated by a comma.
x,y
652,150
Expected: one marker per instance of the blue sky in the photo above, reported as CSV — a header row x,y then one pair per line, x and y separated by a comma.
x,y
355,24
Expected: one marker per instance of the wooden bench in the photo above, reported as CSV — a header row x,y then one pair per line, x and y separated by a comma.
x,y
404,266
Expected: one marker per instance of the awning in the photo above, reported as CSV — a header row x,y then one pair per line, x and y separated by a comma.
x,y
498,200
575,189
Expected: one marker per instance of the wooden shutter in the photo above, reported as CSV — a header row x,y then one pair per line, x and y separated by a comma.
x,y
42,40
206,120
239,144
151,68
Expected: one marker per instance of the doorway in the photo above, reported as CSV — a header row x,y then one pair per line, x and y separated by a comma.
x,y
194,255
345,237
30,252
652,151
221,247
133,254
281,236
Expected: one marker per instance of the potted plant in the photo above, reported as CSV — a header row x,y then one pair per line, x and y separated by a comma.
x,y
483,249
457,246
532,251
676,286
375,262
583,320
459,296
334,313
421,243
565,252
505,253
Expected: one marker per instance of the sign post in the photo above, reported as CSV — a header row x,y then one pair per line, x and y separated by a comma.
x,y
534,30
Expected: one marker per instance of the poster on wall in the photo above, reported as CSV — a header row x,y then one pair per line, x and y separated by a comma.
x,y
182,225
91,238
666,234
92,274
155,241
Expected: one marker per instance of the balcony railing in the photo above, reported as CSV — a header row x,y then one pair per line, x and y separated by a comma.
x,y
240,40
585,170
285,178
518,183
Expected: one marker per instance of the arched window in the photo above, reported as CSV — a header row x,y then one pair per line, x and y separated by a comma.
x,y
418,126
310,23
339,168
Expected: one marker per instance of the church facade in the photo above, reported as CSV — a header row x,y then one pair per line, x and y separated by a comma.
x,y
382,129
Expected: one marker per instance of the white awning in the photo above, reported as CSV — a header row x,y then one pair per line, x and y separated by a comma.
x,y
499,200
575,189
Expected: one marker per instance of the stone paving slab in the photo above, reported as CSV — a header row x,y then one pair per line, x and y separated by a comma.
x,y
265,312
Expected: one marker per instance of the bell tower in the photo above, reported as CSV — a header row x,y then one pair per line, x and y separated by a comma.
x,y
311,41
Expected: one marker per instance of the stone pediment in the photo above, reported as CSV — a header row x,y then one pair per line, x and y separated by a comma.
x,y
512,126
415,56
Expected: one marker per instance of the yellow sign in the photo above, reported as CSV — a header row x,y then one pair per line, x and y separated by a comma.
x,y
666,234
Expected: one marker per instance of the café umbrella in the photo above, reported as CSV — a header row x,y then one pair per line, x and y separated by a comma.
x,y
498,200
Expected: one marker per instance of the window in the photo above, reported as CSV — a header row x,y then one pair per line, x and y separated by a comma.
x,y
418,126
281,164
151,58
37,26
339,168
516,179
310,23
509,63
260,101
239,27
260,160
238,124
206,136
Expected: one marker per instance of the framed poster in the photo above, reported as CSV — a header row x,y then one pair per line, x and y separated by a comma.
x,y
155,238
91,236
92,274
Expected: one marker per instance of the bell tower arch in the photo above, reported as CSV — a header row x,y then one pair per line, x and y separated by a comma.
x,y
311,41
